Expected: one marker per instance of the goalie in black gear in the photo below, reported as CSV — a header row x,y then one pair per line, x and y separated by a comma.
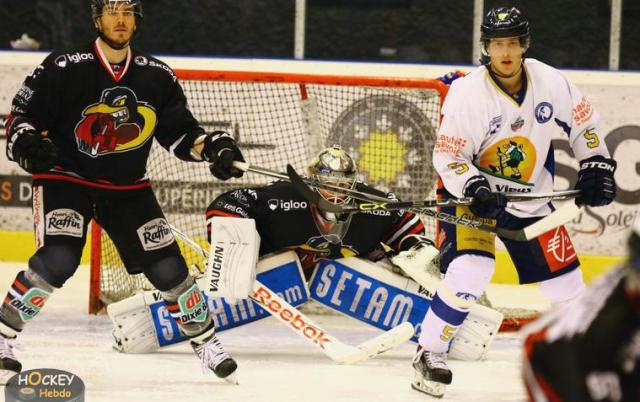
x,y
82,124
589,351
285,220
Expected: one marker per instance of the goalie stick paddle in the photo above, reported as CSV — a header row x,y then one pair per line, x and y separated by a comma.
x,y
331,346
553,220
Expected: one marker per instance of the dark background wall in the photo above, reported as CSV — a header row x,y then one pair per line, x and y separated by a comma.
x,y
566,33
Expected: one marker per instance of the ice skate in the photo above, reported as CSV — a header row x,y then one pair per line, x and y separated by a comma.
x,y
214,358
9,365
431,373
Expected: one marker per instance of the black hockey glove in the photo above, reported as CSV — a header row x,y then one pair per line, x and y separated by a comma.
x,y
33,152
220,150
595,180
486,203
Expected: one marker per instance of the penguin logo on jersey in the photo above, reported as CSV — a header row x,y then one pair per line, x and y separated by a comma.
x,y
543,112
512,158
118,123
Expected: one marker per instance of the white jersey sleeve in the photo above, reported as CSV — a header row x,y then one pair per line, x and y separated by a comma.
x,y
584,130
456,143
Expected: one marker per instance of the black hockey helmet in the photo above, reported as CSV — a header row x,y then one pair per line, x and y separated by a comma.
x,y
504,22
98,5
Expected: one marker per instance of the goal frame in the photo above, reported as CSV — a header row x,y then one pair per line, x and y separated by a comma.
x,y
95,305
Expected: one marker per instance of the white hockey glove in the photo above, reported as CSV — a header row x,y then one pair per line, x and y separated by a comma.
x,y
133,329
420,262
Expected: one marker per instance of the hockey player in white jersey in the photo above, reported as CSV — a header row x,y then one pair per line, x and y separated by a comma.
x,y
495,137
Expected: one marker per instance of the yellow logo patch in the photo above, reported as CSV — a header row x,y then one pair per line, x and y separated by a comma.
x,y
512,158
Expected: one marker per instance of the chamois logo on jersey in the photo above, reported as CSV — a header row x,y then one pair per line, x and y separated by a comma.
x,y
543,112
512,159
118,123
155,234
44,384
64,222
391,138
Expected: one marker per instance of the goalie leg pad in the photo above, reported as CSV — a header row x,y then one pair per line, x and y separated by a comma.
x,y
363,290
133,328
281,273
476,334
231,268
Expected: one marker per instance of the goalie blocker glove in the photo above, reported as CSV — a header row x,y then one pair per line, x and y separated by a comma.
x,y
220,150
486,204
32,151
595,180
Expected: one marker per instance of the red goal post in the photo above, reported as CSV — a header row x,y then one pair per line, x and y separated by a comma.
x,y
387,124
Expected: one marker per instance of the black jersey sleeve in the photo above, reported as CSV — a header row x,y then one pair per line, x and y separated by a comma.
x,y
240,203
35,104
177,129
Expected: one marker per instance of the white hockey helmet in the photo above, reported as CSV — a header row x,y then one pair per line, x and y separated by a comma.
x,y
334,166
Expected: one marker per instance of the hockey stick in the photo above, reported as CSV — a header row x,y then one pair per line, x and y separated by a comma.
x,y
553,220
370,198
245,167
305,327
373,201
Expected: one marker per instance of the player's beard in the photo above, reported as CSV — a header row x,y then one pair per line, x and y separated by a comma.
x,y
115,44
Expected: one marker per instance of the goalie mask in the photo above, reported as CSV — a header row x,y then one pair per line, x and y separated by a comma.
x,y
334,166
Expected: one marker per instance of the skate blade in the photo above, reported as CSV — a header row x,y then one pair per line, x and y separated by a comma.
x,y
431,388
232,379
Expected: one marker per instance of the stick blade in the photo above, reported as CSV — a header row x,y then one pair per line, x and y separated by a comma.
x,y
388,340
557,218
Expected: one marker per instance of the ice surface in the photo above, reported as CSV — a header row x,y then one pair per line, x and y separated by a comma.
x,y
274,363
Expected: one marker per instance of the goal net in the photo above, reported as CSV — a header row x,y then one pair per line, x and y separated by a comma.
x,y
387,125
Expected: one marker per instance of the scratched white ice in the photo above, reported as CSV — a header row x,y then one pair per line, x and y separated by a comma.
x,y
274,363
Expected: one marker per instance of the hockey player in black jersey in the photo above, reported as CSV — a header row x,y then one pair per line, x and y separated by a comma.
x,y
285,220
82,124
590,350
